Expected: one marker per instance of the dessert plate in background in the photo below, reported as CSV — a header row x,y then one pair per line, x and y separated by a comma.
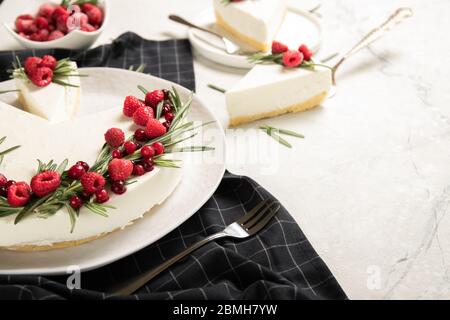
x,y
202,173
299,27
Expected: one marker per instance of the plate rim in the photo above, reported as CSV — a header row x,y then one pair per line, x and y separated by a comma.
x,y
84,267
240,62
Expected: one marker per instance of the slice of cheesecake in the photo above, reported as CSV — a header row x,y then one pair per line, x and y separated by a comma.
x,y
254,22
54,102
272,90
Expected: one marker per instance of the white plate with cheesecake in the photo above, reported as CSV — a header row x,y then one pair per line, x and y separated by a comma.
x,y
253,25
152,207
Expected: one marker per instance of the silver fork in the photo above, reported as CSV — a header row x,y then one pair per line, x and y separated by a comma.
x,y
250,224
230,46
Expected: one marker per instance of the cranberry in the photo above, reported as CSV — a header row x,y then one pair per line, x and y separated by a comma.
x,y
167,125
140,135
118,187
147,164
85,195
101,196
130,147
4,191
147,152
116,154
138,170
84,164
167,108
3,180
158,147
76,172
9,183
169,116
76,202
166,94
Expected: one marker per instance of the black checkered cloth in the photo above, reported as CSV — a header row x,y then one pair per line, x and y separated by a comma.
x,y
277,263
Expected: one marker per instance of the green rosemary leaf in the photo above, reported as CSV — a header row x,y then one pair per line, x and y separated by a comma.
x,y
72,216
30,208
145,91
159,108
96,208
181,113
1,159
273,133
8,91
330,57
141,68
176,99
166,163
8,211
62,167
180,140
192,149
2,140
66,84
214,87
284,131
9,150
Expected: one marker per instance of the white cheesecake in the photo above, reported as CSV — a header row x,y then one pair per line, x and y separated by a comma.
x,y
54,102
42,140
271,90
253,22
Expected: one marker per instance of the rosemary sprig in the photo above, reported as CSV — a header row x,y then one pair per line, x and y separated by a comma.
x,y
214,87
5,152
275,133
8,91
263,58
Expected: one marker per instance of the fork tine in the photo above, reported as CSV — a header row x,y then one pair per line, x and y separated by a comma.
x,y
261,224
252,212
252,222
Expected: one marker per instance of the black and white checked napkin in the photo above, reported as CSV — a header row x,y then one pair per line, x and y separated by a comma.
x,y
278,263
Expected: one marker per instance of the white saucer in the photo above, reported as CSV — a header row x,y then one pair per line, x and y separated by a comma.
x,y
299,27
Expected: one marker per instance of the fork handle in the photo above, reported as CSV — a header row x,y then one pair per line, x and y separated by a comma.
x,y
133,284
183,21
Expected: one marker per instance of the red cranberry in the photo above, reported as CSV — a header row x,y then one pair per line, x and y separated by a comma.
x,y
84,164
130,147
147,152
147,164
169,116
158,147
118,187
3,180
85,195
167,125
166,94
101,196
76,172
116,154
9,183
76,202
140,135
138,170
167,108
4,191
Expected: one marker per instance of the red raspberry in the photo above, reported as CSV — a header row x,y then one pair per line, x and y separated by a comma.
x,y
41,23
292,59
130,147
55,35
59,12
131,104
92,182
31,64
24,23
46,10
45,183
94,13
154,129
19,194
49,62
3,180
153,98
41,77
40,35
101,196
120,169
115,137
278,47
142,115
88,28
307,54
158,147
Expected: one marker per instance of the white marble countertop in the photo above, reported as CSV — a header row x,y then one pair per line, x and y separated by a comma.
x,y
370,184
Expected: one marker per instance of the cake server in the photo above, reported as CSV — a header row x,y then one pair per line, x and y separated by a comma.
x,y
399,16
230,46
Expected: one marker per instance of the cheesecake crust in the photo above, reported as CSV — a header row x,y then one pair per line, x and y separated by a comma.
x,y
303,106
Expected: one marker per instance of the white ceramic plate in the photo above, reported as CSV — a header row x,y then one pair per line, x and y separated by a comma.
x,y
299,27
202,172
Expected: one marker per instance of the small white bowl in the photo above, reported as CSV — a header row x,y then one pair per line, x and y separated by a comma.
x,y
74,40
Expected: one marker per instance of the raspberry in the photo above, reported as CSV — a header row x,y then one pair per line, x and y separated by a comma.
x,y
46,10
153,98
88,28
24,23
45,183
278,47
55,35
41,77
40,35
92,182
158,147
49,62
31,64
19,194
41,23
292,59
94,13
307,54
3,180
120,169
59,12
154,129
101,196
131,104
115,137
142,115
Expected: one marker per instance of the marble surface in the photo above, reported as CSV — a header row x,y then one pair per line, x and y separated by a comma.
x,y
370,184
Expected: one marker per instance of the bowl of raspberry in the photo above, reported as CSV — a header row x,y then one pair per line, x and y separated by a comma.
x,y
65,24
